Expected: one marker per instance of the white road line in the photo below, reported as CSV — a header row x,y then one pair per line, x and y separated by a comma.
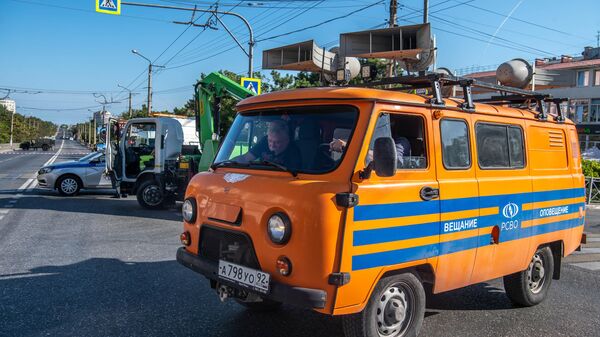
x,y
588,251
588,265
12,201
593,239
1,217
3,211
49,162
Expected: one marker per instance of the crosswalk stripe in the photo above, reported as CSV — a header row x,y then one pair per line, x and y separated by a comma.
x,y
593,239
586,250
595,265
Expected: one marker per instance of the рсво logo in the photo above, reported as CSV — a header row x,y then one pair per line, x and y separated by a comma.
x,y
510,210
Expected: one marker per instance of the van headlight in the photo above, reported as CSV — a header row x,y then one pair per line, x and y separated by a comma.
x,y
279,228
188,210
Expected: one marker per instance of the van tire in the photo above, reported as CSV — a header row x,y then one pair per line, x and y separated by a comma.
x,y
265,306
384,309
147,194
530,286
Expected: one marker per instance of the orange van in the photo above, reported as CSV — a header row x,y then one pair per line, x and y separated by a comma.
x,y
349,200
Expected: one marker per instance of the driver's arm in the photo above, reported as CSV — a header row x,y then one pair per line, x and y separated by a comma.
x,y
245,158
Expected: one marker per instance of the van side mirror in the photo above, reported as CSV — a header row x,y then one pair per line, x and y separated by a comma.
x,y
384,157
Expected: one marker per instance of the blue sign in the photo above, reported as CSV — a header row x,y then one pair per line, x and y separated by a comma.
x,y
252,84
108,6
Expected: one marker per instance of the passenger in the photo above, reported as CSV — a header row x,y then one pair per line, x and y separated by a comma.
x,y
403,148
276,146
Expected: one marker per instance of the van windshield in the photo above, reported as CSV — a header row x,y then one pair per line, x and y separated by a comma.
x,y
301,139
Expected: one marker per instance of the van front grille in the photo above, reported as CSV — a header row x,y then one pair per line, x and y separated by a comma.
x,y
219,244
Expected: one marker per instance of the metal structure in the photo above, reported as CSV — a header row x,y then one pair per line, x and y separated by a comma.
x,y
150,65
508,95
251,42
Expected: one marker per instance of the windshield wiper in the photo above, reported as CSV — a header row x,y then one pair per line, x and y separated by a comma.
x,y
279,166
228,163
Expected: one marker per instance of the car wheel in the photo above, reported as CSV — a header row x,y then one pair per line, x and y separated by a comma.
x,y
396,308
45,147
149,195
530,286
68,185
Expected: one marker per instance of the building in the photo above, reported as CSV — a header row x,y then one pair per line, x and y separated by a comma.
x,y
575,78
9,104
101,118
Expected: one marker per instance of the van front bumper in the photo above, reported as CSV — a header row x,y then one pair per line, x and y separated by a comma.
x,y
301,297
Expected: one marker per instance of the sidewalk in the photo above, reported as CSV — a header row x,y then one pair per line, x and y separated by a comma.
x,y
592,219
6,147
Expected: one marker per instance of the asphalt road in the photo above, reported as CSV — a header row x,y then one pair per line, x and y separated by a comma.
x,y
93,265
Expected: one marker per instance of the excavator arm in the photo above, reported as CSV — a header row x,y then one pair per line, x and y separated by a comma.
x,y
209,92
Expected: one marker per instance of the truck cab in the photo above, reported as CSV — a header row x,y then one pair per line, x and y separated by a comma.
x,y
144,159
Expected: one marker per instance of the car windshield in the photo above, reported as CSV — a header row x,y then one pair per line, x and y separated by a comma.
x,y
88,156
300,139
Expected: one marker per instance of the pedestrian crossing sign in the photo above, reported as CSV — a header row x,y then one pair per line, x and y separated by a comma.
x,y
108,6
252,84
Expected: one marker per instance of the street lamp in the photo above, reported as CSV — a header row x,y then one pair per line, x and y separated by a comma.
x,y
150,65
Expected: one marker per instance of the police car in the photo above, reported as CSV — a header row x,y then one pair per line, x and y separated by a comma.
x,y
71,176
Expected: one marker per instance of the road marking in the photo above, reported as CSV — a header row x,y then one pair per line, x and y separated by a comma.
x,y
12,201
49,162
588,265
3,211
593,239
585,250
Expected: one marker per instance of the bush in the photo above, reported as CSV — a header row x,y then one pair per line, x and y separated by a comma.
x,y
591,168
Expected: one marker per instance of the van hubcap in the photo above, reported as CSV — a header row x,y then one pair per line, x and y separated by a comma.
x,y
394,310
68,185
152,195
536,274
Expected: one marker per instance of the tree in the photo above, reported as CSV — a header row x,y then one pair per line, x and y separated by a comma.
x,y
24,128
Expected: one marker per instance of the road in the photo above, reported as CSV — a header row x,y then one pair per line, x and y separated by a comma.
x,y
93,265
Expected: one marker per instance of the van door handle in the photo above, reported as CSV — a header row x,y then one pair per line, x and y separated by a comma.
x,y
427,193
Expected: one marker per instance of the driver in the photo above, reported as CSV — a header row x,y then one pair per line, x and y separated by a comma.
x,y
276,147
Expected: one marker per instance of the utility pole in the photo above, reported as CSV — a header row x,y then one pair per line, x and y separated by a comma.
x,y
392,23
12,124
150,65
597,39
425,11
130,95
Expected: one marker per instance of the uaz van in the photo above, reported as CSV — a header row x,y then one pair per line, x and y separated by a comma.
x,y
349,200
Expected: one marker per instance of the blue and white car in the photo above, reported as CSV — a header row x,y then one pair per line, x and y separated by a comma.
x,y
71,176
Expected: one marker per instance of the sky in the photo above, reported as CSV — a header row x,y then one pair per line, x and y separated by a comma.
x,y
59,56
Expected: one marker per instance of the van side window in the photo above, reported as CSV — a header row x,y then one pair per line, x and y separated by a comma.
x,y
455,144
499,146
408,133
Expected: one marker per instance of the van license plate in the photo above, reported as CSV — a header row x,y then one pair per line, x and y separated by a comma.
x,y
244,276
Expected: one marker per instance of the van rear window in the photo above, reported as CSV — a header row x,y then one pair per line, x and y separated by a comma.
x,y
499,146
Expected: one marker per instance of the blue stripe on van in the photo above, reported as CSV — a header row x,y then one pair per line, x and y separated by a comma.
x,y
396,210
413,231
421,252
414,253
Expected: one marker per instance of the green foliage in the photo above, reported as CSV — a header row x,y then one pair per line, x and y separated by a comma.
x,y
24,128
591,168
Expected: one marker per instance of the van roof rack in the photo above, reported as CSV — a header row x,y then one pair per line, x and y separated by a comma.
x,y
435,82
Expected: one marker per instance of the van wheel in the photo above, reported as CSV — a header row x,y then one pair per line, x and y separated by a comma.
x,y
530,286
396,308
149,195
68,185
264,306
